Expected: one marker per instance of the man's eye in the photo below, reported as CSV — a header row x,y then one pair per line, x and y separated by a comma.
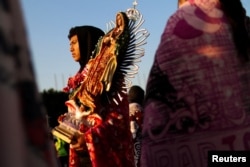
x,y
73,42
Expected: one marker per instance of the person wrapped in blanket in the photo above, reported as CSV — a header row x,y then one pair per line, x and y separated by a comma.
x,y
25,137
103,123
197,94
136,99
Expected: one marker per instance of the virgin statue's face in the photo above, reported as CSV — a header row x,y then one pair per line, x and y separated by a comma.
x,y
74,48
119,20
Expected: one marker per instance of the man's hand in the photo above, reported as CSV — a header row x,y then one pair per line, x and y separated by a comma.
x,y
79,144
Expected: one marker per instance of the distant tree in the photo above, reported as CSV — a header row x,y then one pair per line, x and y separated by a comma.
x,y
54,102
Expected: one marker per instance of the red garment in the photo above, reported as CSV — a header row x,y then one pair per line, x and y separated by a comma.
x,y
109,143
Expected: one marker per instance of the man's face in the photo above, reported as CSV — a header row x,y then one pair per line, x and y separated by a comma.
x,y
74,48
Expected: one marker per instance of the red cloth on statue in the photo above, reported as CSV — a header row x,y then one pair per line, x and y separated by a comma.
x,y
109,143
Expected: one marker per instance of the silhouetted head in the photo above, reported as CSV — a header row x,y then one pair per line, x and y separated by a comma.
x,y
136,95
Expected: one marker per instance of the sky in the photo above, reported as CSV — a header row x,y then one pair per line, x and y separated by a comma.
x,y
48,23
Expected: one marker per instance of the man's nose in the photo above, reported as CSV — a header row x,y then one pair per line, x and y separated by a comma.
x,y
71,48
